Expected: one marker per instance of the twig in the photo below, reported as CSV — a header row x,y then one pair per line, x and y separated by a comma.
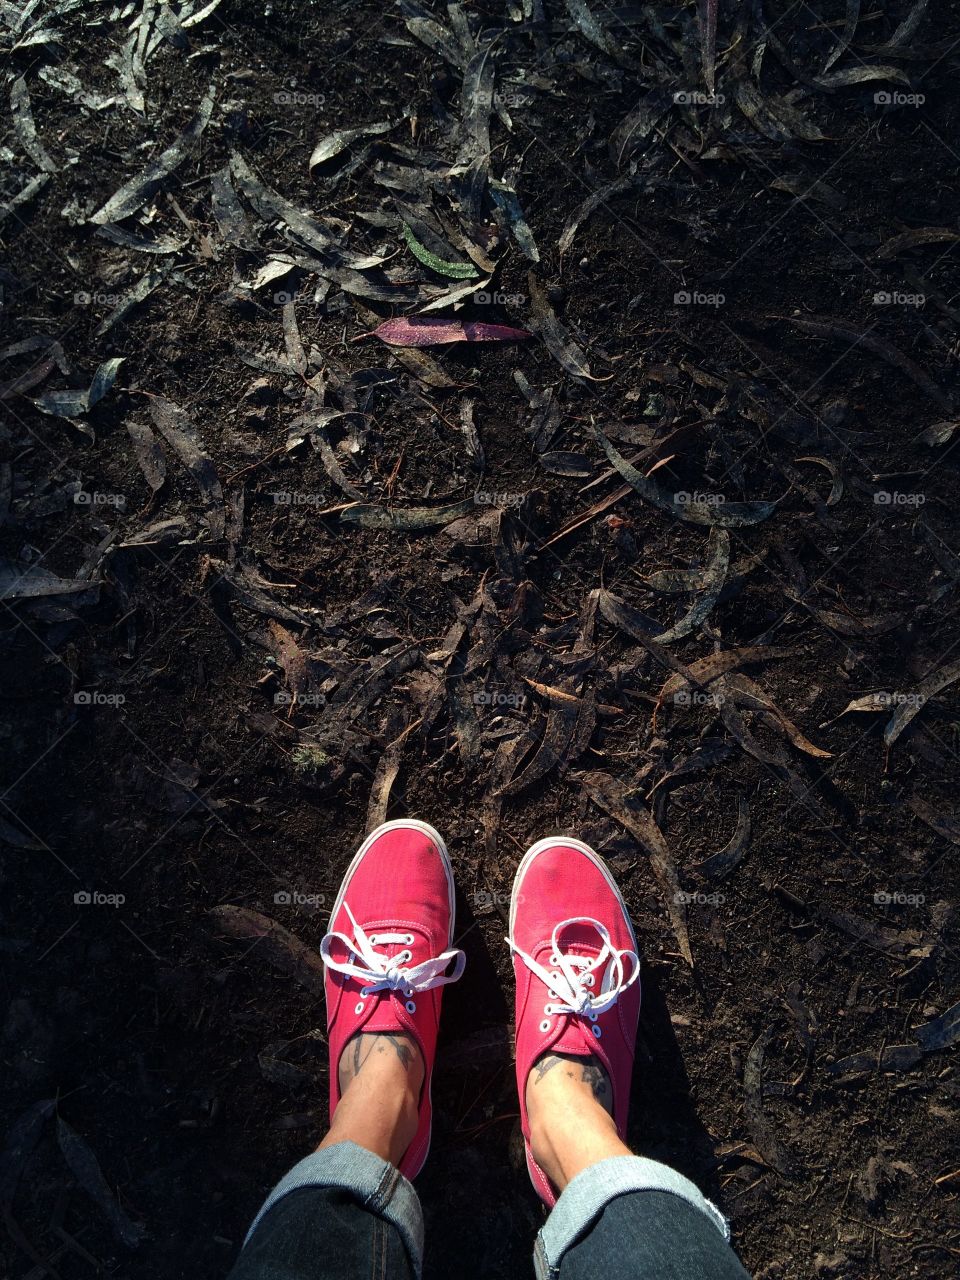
x,y
253,465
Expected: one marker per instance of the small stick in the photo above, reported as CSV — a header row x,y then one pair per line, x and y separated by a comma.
x,y
253,465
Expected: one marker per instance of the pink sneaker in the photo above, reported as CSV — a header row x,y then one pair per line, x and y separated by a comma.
x,y
387,950
576,964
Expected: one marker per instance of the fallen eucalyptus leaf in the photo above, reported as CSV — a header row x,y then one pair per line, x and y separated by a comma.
x,y
941,1032
612,797
424,331
133,195
181,434
410,518
86,1169
71,404
910,239
25,129
885,350
555,336
912,704
456,270
334,143
725,514
276,944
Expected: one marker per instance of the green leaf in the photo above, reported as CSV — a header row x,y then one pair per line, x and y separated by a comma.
x,y
458,270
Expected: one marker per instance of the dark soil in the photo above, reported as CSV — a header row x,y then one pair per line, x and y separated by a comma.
x,y
147,755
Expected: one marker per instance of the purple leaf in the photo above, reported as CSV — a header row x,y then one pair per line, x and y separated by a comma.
x,y
428,331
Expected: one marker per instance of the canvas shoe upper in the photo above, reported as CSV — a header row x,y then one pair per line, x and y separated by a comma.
x,y
576,965
388,950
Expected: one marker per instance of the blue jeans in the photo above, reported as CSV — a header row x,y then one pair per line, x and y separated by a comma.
x,y
345,1214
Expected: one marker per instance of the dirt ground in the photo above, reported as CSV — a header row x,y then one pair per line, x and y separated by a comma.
x,y
264,584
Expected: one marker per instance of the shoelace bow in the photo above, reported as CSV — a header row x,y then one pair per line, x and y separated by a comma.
x,y
566,981
388,973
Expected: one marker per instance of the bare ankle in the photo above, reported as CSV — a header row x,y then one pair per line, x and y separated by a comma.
x,y
568,1079
393,1059
569,1105
381,1078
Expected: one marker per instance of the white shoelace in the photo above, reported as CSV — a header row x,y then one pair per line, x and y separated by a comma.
x,y
573,980
388,973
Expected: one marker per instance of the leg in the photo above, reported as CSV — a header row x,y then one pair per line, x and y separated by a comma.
x,y
651,1235
637,1234
326,1230
319,1231
348,1210
380,1076
568,1104
618,1216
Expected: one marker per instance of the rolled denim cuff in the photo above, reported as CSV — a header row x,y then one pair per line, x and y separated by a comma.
x,y
584,1199
378,1186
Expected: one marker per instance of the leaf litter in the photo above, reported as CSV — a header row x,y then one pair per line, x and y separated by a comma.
x,y
135,193
86,1169
401,701
182,436
614,799
333,144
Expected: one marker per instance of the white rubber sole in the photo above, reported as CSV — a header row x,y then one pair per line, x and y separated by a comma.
x,y
395,825
550,842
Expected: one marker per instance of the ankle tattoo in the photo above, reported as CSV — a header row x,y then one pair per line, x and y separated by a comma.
x,y
361,1047
584,1070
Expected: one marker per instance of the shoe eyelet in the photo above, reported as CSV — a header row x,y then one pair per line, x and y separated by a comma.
x,y
554,959
545,1025
372,939
589,980
410,939
359,1008
410,1007
593,1016
596,1031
